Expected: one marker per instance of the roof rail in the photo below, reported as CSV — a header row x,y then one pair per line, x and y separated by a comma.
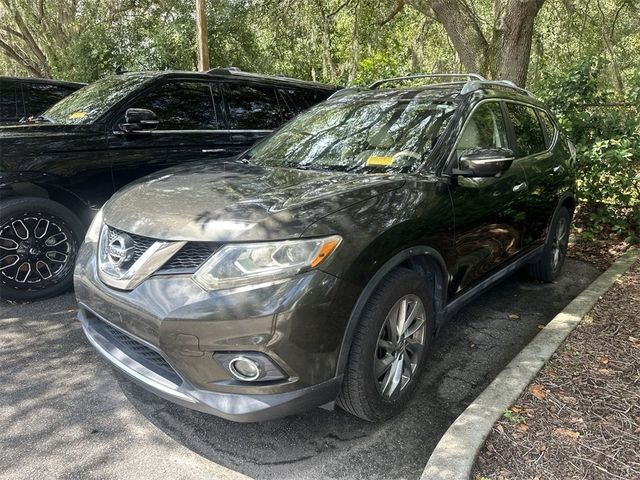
x,y
474,85
224,71
466,76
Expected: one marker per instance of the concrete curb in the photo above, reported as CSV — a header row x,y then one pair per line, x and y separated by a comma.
x,y
454,456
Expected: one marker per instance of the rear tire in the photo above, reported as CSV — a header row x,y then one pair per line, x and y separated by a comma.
x,y
39,241
549,266
388,353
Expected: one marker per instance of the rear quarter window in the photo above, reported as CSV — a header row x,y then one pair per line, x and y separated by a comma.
x,y
10,101
548,127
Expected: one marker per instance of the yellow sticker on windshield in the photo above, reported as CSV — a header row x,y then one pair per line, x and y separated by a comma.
x,y
76,115
379,161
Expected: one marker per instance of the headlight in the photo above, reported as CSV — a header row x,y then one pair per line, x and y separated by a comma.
x,y
93,234
246,263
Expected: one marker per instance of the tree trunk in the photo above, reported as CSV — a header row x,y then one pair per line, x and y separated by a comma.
x,y
512,37
507,54
203,36
462,29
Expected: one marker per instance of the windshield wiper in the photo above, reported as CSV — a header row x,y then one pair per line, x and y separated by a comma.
x,y
36,119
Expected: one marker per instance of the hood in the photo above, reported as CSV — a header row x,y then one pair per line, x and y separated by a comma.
x,y
40,129
231,201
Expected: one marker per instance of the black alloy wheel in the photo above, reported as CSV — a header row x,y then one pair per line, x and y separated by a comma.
x,y
39,241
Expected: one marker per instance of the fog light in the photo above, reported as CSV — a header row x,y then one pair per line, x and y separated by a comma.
x,y
250,366
244,368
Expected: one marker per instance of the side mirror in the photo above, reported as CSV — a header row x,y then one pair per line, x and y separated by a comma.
x,y
484,162
138,120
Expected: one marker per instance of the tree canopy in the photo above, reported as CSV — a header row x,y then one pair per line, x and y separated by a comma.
x,y
337,41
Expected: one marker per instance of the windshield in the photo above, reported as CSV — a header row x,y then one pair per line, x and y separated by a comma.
x,y
90,102
374,135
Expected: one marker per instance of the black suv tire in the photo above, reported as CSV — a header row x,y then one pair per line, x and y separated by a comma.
x,y
362,394
550,263
43,237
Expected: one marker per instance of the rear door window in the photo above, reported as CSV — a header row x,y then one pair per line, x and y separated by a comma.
x,y
183,105
293,102
252,107
527,129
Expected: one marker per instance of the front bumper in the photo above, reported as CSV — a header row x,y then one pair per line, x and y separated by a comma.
x,y
299,324
236,407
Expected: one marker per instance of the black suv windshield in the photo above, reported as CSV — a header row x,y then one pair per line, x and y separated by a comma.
x,y
89,103
366,134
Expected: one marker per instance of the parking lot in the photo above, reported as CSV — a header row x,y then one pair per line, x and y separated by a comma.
x,y
64,413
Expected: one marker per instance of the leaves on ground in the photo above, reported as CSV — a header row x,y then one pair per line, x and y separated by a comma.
x,y
536,391
582,410
565,432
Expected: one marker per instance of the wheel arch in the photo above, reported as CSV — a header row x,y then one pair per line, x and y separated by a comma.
x,y
50,192
426,261
568,200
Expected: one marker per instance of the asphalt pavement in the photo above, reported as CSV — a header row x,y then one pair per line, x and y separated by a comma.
x,y
65,413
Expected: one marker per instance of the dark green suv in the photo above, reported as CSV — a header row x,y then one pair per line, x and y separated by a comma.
x,y
319,265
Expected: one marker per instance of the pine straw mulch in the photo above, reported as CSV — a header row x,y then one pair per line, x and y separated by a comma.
x,y
580,418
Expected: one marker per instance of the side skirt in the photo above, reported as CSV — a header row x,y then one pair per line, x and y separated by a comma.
x,y
457,303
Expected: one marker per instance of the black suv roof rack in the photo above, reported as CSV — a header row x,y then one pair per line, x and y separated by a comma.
x,y
224,71
240,73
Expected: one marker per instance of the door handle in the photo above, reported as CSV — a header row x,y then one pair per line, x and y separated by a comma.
x,y
520,187
558,169
213,150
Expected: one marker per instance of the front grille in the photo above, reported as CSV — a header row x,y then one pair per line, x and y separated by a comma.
x,y
140,244
190,257
139,352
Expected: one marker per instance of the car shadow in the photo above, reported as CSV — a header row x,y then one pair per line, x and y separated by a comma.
x,y
469,352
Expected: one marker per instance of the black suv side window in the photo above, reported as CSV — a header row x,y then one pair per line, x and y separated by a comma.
x,y
252,107
485,129
9,108
182,105
527,129
40,96
293,101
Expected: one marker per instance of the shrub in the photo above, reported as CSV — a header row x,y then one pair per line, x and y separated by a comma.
x,y
606,130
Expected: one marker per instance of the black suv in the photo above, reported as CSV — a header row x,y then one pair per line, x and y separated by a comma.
x,y
58,169
320,264
25,97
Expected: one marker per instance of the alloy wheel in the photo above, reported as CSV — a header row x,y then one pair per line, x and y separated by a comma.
x,y
560,243
35,251
400,346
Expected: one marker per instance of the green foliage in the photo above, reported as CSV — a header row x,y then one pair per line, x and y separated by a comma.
x,y
606,130
514,418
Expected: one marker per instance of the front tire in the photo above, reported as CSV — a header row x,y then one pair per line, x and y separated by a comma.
x,y
39,241
550,264
389,347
